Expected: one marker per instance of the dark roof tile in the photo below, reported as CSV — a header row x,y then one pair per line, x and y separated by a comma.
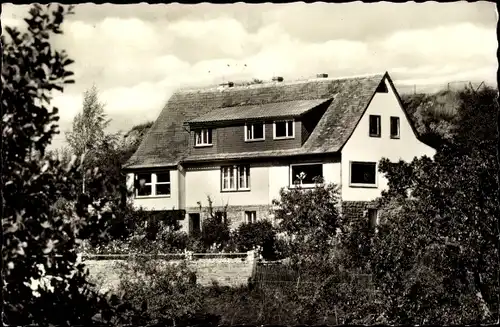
x,y
259,111
166,143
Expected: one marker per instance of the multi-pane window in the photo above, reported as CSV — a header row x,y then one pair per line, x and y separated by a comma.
x,y
364,173
283,129
307,174
235,178
152,184
395,127
203,137
374,125
250,217
254,132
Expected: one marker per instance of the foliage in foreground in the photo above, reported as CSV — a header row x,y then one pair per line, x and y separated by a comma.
x,y
308,220
435,257
42,281
160,293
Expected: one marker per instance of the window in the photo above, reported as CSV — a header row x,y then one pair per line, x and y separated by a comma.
x,y
250,217
308,174
235,178
284,129
152,184
221,216
373,218
363,173
203,137
144,185
194,224
395,127
254,132
374,126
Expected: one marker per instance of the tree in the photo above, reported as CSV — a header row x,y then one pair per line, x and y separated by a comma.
x,y
215,230
39,239
435,257
308,219
88,128
258,234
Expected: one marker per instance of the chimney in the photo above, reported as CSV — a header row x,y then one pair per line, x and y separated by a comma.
x,y
322,75
277,79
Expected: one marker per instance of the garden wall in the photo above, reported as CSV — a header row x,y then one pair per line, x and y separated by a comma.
x,y
225,269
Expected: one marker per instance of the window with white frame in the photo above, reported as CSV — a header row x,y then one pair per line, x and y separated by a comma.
x,y
152,184
254,132
203,137
250,217
284,129
306,174
235,178
363,174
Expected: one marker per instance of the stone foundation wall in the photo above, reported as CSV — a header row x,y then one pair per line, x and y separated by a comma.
x,y
235,214
353,210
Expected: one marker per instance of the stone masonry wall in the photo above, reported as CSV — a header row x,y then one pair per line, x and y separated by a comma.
x,y
236,215
233,272
353,210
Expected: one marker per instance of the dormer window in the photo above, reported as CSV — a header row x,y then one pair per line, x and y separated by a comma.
x,y
203,137
284,129
374,126
254,132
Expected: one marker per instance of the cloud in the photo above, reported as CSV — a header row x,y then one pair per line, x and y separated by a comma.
x,y
137,55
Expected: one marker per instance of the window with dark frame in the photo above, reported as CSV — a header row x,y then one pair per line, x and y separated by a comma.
x,y
363,173
254,132
152,184
373,218
250,217
307,174
395,127
235,178
375,126
203,137
283,129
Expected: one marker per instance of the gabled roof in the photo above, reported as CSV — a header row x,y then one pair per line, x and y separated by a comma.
x,y
167,142
295,108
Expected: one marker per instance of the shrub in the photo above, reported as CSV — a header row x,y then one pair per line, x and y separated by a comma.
x,y
259,234
162,293
308,220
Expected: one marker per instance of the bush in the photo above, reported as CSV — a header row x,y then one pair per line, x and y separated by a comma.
x,y
308,220
259,234
161,293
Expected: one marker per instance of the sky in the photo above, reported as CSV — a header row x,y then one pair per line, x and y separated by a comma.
x,y
139,54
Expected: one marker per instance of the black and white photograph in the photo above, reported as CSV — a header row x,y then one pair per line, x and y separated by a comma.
x,y
250,164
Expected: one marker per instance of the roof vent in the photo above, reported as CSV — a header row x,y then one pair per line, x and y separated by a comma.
x,y
277,79
322,75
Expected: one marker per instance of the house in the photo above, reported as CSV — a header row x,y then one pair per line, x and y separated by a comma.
x,y
239,145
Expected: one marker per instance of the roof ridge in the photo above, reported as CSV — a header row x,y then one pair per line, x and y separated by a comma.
x,y
212,88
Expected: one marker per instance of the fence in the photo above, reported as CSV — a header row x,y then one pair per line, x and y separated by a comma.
x,y
432,88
